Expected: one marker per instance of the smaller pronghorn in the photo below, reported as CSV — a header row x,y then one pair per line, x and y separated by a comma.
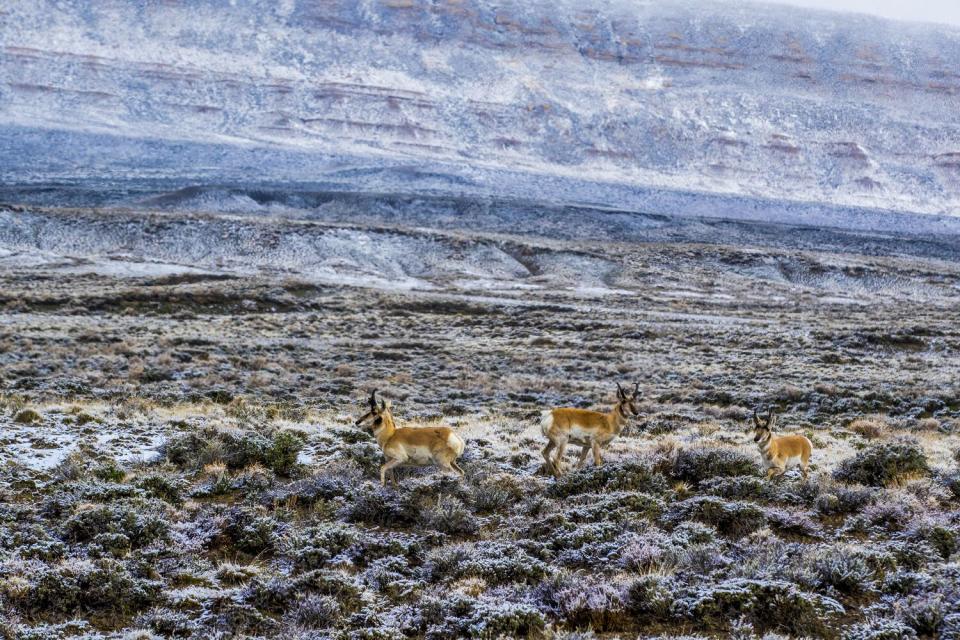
x,y
781,452
417,446
592,430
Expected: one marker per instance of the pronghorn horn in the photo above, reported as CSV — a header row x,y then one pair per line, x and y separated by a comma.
x,y
373,399
620,393
636,389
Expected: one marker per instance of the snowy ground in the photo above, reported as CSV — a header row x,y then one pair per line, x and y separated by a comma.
x,y
177,455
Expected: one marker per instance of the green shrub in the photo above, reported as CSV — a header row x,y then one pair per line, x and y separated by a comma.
x,y
167,488
28,416
496,618
617,506
843,569
621,476
733,519
77,586
649,598
141,522
770,605
313,547
580,602
236,448
494,561
696,465
281,455
882,464
449,515
109,472
879,629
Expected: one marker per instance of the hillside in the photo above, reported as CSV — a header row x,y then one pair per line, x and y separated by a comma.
x,y
598,105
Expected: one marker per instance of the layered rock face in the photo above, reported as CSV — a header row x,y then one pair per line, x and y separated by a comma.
x,y
739,100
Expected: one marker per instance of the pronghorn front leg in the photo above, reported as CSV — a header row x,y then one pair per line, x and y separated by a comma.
x,y
597,458
388,466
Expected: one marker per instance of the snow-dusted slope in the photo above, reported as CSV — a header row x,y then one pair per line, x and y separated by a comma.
x,y
749,100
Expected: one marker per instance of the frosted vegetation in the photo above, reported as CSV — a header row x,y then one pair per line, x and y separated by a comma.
x,y
178,455
233,222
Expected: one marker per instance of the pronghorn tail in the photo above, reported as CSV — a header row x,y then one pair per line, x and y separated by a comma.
x,y
456,443
546,421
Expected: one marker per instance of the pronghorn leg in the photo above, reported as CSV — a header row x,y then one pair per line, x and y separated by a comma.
x,y
446,468
597,458
770,472
803,470
448,464
388,466
558,460
584,450
546,457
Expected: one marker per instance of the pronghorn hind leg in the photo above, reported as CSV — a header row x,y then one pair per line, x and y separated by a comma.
x,y
558,459
448,464
446,468
597,458
584,450
546,457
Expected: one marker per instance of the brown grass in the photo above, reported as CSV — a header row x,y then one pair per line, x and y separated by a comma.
x,y
870,427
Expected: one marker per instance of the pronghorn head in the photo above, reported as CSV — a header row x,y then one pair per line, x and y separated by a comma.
x,y
376,413
763,427
628,402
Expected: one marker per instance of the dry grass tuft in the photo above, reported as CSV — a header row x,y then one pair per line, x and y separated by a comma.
x,y
870,427
927,424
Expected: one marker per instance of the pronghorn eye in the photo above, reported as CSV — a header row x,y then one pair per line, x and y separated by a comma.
x,y
378,420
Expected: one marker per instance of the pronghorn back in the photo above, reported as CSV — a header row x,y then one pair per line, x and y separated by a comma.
x,y
569,417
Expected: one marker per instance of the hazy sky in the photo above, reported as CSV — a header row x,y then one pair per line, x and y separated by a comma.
x,y
944,11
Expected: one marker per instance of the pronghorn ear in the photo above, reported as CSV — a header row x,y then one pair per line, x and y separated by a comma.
x,y
756,420
771,419
636,390
384,404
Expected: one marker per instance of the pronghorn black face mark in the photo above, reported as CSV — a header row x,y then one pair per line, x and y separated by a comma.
x,y
626,402
762,428
375,413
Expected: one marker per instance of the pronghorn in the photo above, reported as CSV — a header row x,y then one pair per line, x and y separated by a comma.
x,y
781,452
592,430
424,445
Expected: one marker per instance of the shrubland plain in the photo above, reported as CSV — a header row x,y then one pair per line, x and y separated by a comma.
x,y
179,456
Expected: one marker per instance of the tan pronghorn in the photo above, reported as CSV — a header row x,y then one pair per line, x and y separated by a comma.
x,y
592,430
418,446
781,452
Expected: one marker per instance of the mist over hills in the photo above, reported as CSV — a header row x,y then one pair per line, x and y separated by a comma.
x,y
668,107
